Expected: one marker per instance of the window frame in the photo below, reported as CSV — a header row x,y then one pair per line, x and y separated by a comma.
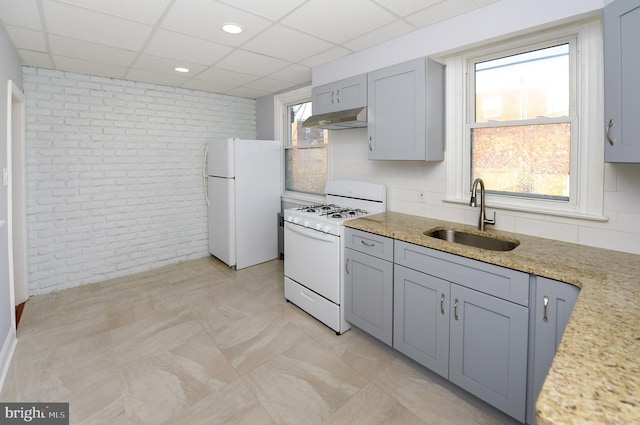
x,y
587,150
282,102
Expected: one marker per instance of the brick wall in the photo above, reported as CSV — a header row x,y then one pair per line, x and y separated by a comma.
x,y
114,181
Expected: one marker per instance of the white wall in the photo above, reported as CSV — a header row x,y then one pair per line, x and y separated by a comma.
x,y
348,148
114,174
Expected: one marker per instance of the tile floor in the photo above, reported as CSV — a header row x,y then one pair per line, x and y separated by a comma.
x,y
199,343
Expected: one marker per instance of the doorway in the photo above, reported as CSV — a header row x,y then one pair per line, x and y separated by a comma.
x,y
17,214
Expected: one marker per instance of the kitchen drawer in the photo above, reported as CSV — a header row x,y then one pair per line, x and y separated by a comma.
x,y
369,243
507,284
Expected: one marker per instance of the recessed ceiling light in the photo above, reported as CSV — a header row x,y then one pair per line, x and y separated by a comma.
x,y
232,28
179,69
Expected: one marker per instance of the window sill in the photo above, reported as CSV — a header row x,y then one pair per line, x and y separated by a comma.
x,y
534,210
302,198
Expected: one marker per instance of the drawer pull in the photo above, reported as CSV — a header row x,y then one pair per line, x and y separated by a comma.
x,y
455,309
545,301
369,244
442,304
346,266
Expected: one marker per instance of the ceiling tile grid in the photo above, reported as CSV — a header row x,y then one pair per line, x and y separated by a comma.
x,y
145,40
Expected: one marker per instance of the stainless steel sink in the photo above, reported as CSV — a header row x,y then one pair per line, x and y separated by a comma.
x,y
471,239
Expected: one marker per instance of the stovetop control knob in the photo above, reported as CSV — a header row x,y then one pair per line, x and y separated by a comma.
x,y
325,229
306,223
318,227
290,219
296,220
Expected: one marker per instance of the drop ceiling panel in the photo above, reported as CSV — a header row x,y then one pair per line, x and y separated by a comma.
x,y
326,56
21,13
166,66
204,19
82,24
218,75
145,11
335,20
78,49
273,10
287,44
296,74
248,92
268,85
37,59
380,35
407,7
87,67
209,86
444,10
155,78
252,63
28,39
186,48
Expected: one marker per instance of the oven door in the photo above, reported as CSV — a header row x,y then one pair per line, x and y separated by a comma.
x,y
312,259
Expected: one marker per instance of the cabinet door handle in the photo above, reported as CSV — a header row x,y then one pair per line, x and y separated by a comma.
x,y
369,244
333,96
609,125
442,304
545,302
338,96
455,309
370,147
346,266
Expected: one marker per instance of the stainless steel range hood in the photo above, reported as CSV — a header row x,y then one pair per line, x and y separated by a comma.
x,y
340,120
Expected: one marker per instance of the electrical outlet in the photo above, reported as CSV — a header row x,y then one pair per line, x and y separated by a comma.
x,y
420,195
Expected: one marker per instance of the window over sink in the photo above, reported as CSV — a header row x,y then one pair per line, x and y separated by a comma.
x,y
524,114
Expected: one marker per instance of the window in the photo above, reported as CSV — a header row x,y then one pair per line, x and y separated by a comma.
x,y
520,130
305,149
305,152
525,115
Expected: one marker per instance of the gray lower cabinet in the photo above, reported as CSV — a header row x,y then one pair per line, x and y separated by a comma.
x,y
490,330
621,87
488,349
551,309
368,284
421,318
478,339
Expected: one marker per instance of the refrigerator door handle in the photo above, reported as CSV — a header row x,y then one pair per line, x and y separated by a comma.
x,y
204,174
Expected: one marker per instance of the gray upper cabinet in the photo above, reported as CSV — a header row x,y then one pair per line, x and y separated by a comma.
x,y
551,309
621,84
406,111
341,95
369,283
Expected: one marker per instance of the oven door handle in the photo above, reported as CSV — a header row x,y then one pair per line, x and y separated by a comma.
x,y
311,233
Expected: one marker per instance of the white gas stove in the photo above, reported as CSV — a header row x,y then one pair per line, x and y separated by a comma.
x,y
314,248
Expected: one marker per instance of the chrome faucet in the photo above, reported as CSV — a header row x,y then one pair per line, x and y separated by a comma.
x,y
482,220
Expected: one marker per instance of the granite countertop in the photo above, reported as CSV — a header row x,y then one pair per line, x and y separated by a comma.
x,y
595,376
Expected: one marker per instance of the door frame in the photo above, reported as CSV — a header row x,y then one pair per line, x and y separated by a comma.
x,y
17,204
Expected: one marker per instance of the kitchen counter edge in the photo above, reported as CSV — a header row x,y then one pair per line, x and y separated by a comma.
x,y
595,376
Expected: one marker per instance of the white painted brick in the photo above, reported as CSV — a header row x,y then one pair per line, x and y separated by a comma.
x,y
113,174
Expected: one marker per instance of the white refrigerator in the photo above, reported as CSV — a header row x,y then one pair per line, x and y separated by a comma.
x,y
242,188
